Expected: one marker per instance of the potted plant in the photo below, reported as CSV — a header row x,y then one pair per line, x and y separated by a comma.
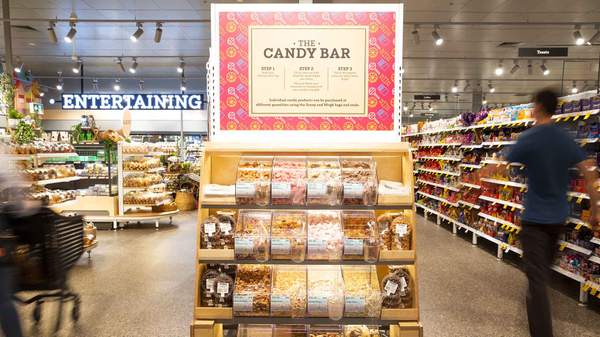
x,y
14,117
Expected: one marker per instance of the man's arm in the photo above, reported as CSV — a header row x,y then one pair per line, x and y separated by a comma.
x,y
590,174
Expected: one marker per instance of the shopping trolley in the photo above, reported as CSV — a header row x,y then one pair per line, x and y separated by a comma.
x,y
48,246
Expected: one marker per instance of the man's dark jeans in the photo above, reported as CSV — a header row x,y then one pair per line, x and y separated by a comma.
x,y
9,318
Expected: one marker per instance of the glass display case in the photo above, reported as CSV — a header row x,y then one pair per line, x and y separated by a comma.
x,y
288,235
324,186
252,294
325,235
288,184
359,178
360,236
252,235
253,183
288,294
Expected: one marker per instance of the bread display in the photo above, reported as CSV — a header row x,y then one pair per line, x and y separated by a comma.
x,y
52,197
51,172
141,180
146,198
143,164
41,147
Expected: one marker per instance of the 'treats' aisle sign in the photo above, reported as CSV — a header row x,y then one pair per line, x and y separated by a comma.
x,y
306,69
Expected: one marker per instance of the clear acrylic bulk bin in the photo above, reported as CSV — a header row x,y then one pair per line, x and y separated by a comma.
x,y
251,240
324,186
325,235
288,293
252,292
253,183
361,239
288,183
288,235
362,297
325,292
359,178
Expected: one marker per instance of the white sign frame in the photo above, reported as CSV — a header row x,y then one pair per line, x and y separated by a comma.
x,y
213,89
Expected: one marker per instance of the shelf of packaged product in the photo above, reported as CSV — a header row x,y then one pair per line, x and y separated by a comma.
x,y
470,166
501,202
474,206
471,146
446,187
145,154
568,274
57,180
594,259
575,115
55,155
578,195
500,221
309,320
512,123
564,244
503,182
441,158
150,170
592,287
579,223
498,143
449,173
386,206
438,198
439,144
595,241
469,185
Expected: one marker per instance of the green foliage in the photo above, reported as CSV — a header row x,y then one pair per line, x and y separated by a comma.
x,y
75,133
14,114
7,90
24,133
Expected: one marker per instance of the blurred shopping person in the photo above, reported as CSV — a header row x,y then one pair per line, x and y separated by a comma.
x,y
548,152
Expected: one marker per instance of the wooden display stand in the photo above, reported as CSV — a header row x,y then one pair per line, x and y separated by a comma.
x,y
394,162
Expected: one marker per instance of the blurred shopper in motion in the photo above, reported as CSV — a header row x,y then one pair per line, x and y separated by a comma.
x,y
548,152
9,318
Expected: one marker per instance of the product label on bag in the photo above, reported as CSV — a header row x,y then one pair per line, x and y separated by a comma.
x,y
316,189
317,304
352,190
404,284
245,190
280,246
281,190
225,227
317,246
210,285
243,246
353,246
390,287
401,229
280,303
210,228
242,302
222,288
355,304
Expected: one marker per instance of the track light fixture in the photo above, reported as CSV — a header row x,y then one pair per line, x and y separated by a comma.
x,y
579,40
52,32
18,65
437,38
467,85
71,34
42,94
594,37
51,101
183,87
405,108
158,32
499,71
574,89
491,88
117,85
415,35
455,87
95,86
138,32
544,69
515,67
411,115
59,85
484,101
76,66
529,68
181,66
134,65
120,64
141,85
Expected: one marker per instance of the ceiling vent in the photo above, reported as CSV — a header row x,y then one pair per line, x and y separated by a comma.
x,y
25,28
509,44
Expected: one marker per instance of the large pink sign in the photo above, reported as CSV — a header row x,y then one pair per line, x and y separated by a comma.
x,y
307,70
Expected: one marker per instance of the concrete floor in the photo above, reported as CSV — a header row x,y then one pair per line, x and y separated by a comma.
x,y
140,282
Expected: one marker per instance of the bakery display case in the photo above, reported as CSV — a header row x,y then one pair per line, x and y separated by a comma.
x,y
288,235
253,183
324,184
288,181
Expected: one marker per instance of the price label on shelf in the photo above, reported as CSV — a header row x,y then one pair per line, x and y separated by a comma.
x,y
352,190
280,303
355,304
316,189
281,189
243,245
317,305
222,288
317,246
245,190
210,228
242,302
353,246
280,246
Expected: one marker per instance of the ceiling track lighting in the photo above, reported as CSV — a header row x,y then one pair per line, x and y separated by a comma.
x,y
574,89
437,38
529,68
141,85
579,40
51,101
183,87
95,86
134,65
515,67
499,71
181,66
18,65
138,32
77,66
484,101
455,87
491,87
59,85
42,94
117,85
158,32
120,64
594,37
52,33
70,37
544,68
415,35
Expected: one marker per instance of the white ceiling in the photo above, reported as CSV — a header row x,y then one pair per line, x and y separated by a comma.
x,y
469,52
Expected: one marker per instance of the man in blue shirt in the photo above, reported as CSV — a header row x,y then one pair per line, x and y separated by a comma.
x,y
548,152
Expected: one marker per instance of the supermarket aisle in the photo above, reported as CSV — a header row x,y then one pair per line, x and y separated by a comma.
x,y
138,283
466,291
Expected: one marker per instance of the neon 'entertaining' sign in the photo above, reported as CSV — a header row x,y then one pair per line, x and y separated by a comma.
x,y
133,101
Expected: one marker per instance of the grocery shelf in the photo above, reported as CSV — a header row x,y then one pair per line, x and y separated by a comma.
x,y
471,146
511,123
471,166
595,241
504,182
56,155
439,144
579,222
575,115
440,172
498,220
564,244
442,158
312,320
57,180
462,202
470,185
499,143
386,206
595,259
437,198
501,202
568,274
438,185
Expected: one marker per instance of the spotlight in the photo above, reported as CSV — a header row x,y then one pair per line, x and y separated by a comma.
x,y
595,37
430,108
455,87
51,101
437,38
71,34
120,63
484,101
18,65
76,66
42,94
141,85
544,69
411,115
515,68
134,66
574,90
59,86
183,87
499,71
181,66
405,108
158,32
491,88
52,33
579,40
138,32
95,85
415,35
117,85
529,68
